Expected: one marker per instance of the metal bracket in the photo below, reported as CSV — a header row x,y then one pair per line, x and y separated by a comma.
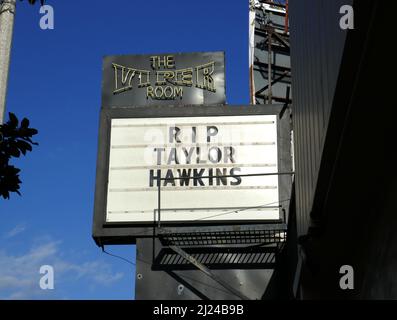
x,y
208,272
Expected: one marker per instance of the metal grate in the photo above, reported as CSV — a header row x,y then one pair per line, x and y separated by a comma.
x,y
272,236
218,258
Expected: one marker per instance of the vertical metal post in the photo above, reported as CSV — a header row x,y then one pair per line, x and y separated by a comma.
x,y
159,200
269,62
7,12
286,17
154,217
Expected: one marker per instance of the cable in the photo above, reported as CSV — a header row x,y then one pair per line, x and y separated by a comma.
x,y
226,213
243,209
116,256
148,263
190,278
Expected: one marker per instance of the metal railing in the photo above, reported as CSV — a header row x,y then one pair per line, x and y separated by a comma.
x,y
219,235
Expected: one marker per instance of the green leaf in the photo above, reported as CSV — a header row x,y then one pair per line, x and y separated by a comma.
x,y
13,120
34,1
15,140
25,123
31,132
24,146
14,151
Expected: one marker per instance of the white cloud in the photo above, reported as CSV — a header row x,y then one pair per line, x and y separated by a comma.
x,y
15,231
19,274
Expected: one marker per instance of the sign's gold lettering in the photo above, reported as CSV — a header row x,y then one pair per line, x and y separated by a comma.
x,y
204,79
184,77
170,62
166,62
165,76
178,92
168,84
164,93
144,78
149,92
123,78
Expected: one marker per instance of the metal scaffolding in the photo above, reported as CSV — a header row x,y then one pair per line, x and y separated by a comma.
x,y
270,70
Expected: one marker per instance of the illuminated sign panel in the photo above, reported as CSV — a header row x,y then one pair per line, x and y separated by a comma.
x,y
163,79
202,162
208,158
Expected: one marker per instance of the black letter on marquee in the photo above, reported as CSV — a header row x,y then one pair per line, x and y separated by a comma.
x,y
169,178
173,157
238,178
159,150
219,177
152,177
218,157
211,131
197,176
211,174
188,154
185,174
194,134
229,154
174,133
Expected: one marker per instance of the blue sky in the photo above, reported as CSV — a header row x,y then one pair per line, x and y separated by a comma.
x,y
55,81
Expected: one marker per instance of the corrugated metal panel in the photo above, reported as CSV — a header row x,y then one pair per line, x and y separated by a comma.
x,y
317,44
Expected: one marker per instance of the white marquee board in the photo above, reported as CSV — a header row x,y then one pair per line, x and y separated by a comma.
x,y
193,146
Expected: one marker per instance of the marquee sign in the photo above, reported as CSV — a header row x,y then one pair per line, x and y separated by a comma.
x,y
163,79
206,157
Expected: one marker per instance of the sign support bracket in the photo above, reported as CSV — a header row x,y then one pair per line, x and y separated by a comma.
x,y
207,271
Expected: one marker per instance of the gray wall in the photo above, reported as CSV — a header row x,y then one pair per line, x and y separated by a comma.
x,y
317,44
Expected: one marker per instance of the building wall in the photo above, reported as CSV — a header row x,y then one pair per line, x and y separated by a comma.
x,y
354,207
317,44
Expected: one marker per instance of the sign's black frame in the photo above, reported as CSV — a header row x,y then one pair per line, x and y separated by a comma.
x,y
105,233
183,60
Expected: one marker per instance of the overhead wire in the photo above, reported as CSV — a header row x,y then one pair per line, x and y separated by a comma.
x,y
117,256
